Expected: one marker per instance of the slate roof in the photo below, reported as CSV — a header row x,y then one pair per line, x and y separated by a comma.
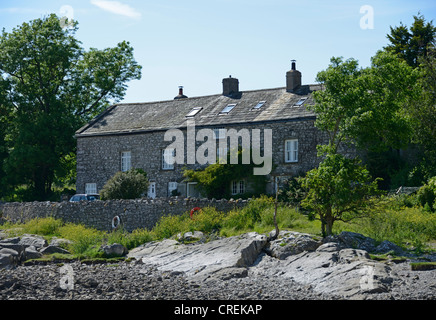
x,y
127,118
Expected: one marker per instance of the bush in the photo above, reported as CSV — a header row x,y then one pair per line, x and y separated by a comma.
x,y
125,185
427,195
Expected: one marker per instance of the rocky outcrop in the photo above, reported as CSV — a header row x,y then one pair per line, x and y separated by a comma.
x,y
203,261
16,250
340,266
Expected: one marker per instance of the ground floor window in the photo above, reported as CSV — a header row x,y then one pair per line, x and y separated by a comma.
x,y
238,187
91,188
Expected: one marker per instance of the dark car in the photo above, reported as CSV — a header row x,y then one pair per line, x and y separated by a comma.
x,y
84,197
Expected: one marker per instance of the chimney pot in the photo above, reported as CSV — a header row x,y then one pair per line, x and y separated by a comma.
x,y
181,95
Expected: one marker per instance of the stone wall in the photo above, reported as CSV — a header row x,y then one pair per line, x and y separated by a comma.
x,y
134,214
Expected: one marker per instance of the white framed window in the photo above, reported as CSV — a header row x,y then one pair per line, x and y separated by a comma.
x,y
168,159
194,112
291,151
91,188
219,133
171,187
126,161
259,105
238,187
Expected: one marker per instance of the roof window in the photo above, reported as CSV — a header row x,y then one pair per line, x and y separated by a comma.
x,y
300,102
259,105
194,112
228,108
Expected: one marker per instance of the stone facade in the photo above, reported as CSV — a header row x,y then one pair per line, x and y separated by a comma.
x,y
99,157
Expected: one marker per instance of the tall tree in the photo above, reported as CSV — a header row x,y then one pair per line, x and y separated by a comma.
x,y
365,106
55,87
411,44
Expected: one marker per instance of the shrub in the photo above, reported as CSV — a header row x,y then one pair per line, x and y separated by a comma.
x,y
427,195
125,185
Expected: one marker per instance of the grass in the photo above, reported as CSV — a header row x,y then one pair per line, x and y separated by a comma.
x,y
406,227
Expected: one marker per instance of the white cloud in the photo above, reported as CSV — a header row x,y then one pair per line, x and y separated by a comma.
x,y
117,8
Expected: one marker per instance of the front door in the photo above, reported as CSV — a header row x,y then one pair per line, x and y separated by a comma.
x,y
152,190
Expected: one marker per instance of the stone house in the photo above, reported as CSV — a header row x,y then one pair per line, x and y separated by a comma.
x,y
132,135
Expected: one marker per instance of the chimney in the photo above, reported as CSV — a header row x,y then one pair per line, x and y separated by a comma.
x,y
181,95
230,86
293,78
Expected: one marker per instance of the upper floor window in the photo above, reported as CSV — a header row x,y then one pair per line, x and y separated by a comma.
x,y
126,161
291,151
228,108
300,102
193,112
168,159
259,105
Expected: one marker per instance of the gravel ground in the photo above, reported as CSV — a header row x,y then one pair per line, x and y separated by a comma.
x,y
135,281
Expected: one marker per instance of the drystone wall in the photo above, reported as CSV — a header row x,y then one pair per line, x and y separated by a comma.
x,y
134,214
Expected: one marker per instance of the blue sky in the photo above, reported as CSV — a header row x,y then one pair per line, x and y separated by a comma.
x,y
197,43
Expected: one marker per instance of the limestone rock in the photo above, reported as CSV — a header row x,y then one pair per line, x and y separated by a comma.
x,y
114,250
202,260
290,243
53,249
32,240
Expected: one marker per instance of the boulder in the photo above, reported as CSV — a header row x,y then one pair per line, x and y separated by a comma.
x,y
6,261
352,240
114,250
289,243
31,253
31,240
191,236
387,246
53,249
9,258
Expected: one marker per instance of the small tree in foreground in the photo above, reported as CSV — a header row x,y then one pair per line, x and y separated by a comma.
x,y
339,189
125,185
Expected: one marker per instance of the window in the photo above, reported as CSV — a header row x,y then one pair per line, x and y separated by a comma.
x,y
126,161
194,112
259,105
221,153
172,186
291,151
91,188
168,159
219,133
227,109
238,187
300,102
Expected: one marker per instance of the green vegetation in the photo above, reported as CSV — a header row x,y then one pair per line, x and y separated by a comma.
x,y
125,185
408,227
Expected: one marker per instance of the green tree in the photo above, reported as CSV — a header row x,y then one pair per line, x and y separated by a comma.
x,y
423,113
365,107
339,189
125,185
411,44
55,86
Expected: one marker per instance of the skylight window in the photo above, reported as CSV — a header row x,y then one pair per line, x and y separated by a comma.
x,y
227,109
300,102
194,112
259,105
